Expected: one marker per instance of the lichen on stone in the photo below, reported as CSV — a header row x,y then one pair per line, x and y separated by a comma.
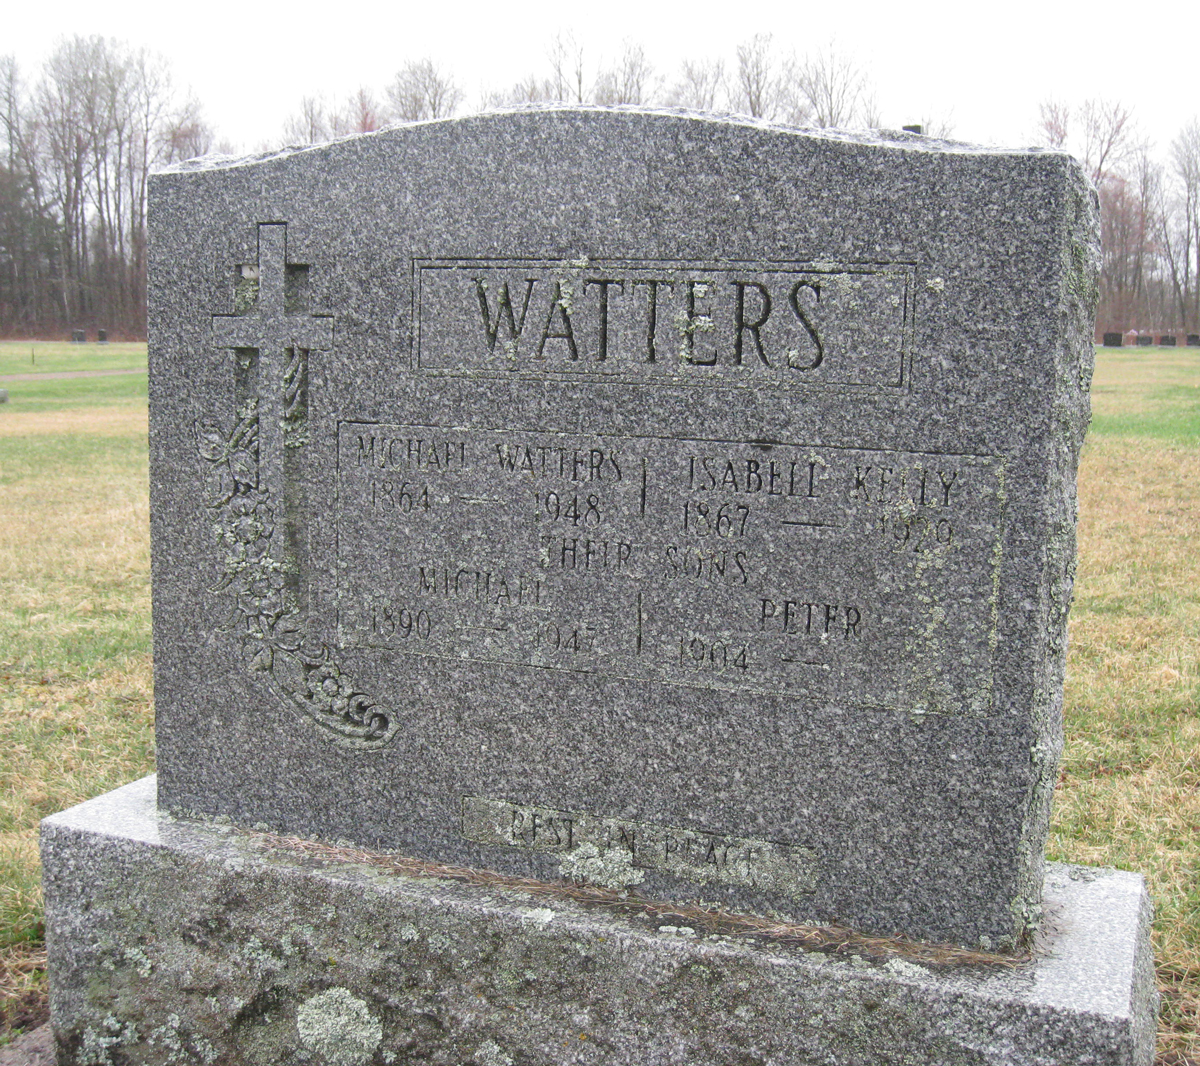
x,y
339,1027
491,1054
610,868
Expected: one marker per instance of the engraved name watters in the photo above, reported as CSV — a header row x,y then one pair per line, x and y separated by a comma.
x,y
254,490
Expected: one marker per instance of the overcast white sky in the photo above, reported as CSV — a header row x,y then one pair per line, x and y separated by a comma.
x,y
984,66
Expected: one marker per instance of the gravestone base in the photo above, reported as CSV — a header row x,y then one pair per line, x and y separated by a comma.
x,y
176,941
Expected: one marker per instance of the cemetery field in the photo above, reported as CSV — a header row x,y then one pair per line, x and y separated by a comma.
x,y
1129,784
52,393
76,705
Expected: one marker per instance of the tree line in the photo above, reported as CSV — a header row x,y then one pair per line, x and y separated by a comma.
x,y
80,140
822,88
77,146
1149,216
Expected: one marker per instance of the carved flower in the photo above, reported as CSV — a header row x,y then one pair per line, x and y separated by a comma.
x,y
250,521
263,596
361,711
324,681
286,633
256,648
243,468
234,458
329,689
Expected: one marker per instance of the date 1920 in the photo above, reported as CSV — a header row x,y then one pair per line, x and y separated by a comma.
x,y
918,534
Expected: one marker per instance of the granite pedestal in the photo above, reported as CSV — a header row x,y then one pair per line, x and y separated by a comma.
x,y
236,951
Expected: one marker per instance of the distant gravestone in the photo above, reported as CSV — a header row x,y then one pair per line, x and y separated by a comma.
x,y
1113,340
1166,341
579,494
1145,341
1193,340
102,336
78,336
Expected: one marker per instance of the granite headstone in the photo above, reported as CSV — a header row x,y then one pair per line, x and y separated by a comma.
x,y
1113,340
692,494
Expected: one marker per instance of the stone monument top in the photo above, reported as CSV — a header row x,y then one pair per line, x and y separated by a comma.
x,y
640,498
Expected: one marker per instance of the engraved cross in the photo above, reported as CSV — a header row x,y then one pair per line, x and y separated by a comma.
x,y
281,338
272,340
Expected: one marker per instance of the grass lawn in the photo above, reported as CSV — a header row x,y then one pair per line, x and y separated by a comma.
x,y
1129,785
41,357
124,393
75,687
76,706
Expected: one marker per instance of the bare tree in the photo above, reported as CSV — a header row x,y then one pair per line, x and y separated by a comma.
x,y
62,124
363,113
756,88
530,90
98,120
1180,225
1138,231
310,125
941,127
629,81
832,86
185,134
1126,252
700,85
869,115
29,240
568,81
1108,130
1054,123
421,90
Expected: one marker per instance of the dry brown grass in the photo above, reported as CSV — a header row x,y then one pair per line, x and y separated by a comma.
x,y
82,422
75,681
74,543
22,988
1129,791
